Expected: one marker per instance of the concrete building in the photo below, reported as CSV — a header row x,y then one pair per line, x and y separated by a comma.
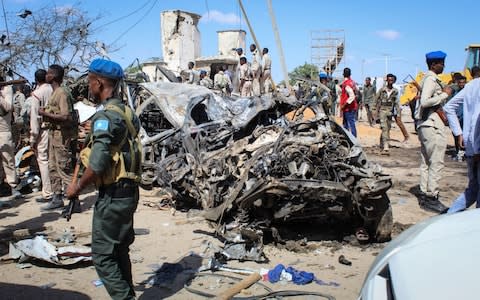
x,y
181,41
229,40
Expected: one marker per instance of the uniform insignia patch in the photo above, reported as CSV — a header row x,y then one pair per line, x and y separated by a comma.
x,y
100,125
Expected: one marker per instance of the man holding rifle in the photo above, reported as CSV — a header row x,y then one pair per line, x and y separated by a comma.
x,y
111,159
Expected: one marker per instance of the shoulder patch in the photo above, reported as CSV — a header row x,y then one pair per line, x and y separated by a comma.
x,y
100,125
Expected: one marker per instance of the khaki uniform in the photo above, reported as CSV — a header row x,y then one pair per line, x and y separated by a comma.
x,y
62,142
386,102
267,74
112,228
245,81
17,126
39,135
236,78
256,70
7,149
431,132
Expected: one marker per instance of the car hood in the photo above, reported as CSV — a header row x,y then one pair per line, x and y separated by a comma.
x,y
435,259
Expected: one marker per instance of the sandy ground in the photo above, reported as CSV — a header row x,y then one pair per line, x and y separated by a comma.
x,y
173,239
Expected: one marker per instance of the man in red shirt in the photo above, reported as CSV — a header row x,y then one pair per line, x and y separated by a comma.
x,y
348,103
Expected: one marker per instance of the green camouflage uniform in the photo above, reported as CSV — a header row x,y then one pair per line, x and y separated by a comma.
x,y
324,97
385,104
112,229
62,141
369,101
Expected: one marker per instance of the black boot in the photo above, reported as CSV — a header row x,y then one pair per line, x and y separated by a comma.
x,y
57,202
431,203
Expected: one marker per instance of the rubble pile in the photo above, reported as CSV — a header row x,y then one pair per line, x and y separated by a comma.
x,y
252,166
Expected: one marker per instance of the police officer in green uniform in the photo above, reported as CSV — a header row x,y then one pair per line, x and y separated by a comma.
x,y
112,161
386,102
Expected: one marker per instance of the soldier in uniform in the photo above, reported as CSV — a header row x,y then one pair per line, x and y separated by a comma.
x,y
245,78
7,148
386,103
369,92
267,72
205,80
431,131
256,70
115,130
39,132
63,133
323,93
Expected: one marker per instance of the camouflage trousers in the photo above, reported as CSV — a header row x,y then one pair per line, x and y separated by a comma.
x,y
61,160
385,125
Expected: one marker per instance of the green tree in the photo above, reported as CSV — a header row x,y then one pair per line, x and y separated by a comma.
x,y
301,72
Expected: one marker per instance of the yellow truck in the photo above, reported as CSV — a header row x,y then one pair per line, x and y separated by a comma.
x,y
473,59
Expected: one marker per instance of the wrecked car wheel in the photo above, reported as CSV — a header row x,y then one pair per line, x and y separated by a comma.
x,y
380,227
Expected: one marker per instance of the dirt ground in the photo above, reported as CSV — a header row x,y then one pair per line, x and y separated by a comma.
x,y
174,238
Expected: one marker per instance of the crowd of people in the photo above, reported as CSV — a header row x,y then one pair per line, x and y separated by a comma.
x,y
435,107
48,113
246,79
47,120
344,99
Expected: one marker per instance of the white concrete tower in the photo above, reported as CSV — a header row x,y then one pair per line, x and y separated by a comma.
x,y
181,41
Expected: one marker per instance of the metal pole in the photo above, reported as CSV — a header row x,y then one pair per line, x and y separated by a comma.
x,y
250,27
279,44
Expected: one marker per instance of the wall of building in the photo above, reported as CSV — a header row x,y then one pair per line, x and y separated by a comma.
x,y
230,39
181,41
153,74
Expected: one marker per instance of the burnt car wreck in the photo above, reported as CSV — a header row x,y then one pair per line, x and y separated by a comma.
x,y
253,164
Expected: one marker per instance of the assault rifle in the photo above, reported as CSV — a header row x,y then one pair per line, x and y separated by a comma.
x,y
71,203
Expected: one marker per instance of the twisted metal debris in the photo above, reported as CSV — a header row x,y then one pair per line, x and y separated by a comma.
x,y
251,165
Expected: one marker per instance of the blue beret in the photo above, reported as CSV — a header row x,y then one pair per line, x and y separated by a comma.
x,y
322,75
203,72
106,68
436,55
239,49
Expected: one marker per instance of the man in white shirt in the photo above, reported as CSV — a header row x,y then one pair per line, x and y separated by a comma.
x,y
39,132
468,137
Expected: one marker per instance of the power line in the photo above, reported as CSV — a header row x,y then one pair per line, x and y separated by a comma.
x,y
135,24
125,16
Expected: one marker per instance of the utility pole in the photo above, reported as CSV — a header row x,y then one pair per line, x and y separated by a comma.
x,y
279,44
249,27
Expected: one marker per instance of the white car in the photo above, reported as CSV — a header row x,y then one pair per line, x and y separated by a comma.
x,y
436,259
